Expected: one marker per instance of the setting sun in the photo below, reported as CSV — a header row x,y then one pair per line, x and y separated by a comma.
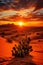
x,y
20,23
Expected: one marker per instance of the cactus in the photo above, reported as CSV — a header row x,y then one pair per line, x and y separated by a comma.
x,y
23,48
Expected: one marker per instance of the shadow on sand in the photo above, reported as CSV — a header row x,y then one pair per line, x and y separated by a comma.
x,y
22,61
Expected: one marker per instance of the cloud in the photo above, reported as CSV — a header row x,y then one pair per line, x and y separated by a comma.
x,y
27,14
22,4
18,4
7,13
22,12
39,4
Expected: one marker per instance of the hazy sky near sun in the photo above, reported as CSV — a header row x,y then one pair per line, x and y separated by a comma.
x,y
25,10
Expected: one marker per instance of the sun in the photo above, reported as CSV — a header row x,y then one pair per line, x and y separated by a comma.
x,y
20,23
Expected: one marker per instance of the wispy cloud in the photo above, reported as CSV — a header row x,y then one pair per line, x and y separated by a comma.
x,y
18,4
24,13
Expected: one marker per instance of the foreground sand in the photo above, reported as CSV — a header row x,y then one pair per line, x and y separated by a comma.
x,y
20,61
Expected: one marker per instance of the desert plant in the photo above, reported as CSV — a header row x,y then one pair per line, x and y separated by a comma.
x,y
9,40
2,34
23,48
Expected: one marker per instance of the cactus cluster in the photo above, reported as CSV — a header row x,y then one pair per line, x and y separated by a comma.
x,y
23,48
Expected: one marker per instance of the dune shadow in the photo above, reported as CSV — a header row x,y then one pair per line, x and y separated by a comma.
x,y
30,63
27,60
39,51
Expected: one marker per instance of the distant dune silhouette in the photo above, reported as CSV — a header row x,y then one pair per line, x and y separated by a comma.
x,y
13,32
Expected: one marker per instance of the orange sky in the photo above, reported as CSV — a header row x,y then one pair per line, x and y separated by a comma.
x,y
32,23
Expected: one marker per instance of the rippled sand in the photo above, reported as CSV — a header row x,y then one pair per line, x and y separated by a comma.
x,y
37,52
